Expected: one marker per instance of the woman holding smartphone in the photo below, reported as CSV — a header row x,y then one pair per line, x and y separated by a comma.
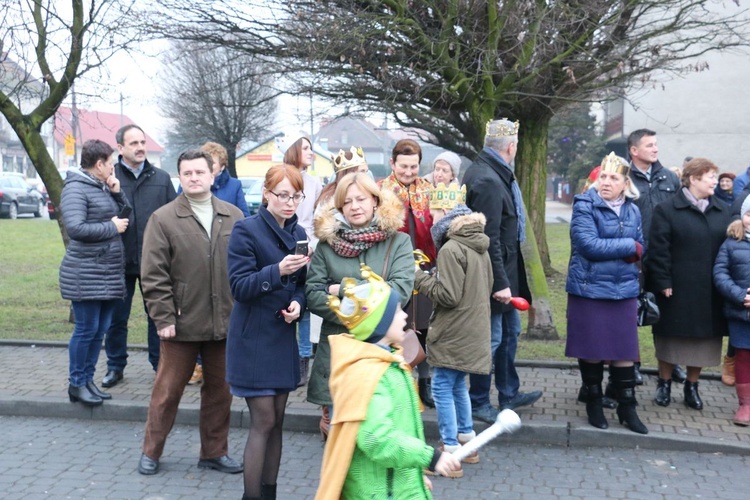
x,y
267,279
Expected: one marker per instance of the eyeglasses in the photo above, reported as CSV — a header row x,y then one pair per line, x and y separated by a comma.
x,y
284,197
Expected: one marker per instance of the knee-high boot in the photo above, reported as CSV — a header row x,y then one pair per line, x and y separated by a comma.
x,y
624,380
592,375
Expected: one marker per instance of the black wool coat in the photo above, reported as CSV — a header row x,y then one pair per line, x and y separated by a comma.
x,y
151,190
683,245
488,191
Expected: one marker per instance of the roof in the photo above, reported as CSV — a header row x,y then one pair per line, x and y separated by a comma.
x,y
96,125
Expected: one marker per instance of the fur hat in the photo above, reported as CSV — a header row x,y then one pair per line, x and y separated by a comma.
x,y
451,159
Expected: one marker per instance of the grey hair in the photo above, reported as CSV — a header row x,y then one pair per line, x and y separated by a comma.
x,y
499,142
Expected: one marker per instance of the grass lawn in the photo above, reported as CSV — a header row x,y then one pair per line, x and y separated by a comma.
x,y
31,307
30,304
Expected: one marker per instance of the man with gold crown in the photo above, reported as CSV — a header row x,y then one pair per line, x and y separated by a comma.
x,y
492,190
376,442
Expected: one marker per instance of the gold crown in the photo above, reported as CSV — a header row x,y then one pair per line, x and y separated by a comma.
x,y
501,128
447,197
615,164
345,160
359,300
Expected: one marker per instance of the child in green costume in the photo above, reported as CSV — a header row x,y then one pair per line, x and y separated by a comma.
x,y
376,446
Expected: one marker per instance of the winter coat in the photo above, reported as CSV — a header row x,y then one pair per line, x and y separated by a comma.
x,y
376,444
152,189
94,262
328,268
683,245
184,273
459,335
741,181
663,185
732,277
488,191
600,240
261,346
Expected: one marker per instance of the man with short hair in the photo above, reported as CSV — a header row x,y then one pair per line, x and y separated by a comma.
x,y
656,184
147,188
186,287
491,189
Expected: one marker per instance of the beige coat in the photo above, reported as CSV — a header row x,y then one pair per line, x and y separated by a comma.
x,y
459,335
184,274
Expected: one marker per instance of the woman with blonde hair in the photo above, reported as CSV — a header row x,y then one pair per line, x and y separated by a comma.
x,y
359,225
602,286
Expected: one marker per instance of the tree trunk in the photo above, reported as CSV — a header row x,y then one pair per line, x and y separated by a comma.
x,y
531,162
541,325
532,178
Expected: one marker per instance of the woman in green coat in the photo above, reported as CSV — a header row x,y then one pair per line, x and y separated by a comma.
x,y
358,226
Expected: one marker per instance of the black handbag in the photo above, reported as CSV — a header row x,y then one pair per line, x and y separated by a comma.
x,y
648,311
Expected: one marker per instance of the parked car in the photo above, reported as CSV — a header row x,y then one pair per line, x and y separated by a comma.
x,y
17,197
253,189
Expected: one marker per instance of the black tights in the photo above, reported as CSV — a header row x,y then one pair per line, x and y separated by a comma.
x,y
263,448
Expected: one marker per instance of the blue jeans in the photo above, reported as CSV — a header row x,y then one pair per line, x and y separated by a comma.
x,y
92,321
506,327
304,344
452,404
116,343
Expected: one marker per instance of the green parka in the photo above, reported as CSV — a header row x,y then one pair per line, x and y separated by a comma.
x,y
328,268
459,335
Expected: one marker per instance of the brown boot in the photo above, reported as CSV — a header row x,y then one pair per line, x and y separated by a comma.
x,y
473,457
454,474
197,377
742,417
727,371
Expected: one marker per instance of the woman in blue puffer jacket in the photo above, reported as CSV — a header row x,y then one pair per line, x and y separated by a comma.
x,y
606,242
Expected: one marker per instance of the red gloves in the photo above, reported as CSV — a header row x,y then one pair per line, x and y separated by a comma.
x,y
638,254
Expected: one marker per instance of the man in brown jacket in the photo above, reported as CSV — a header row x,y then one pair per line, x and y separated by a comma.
x,y
186,287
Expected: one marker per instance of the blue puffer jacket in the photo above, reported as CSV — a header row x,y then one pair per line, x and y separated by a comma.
x,y
600,240
732,277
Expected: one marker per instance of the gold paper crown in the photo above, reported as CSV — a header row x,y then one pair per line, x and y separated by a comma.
x,y
359,300
615,164
345,160
501,128
447,197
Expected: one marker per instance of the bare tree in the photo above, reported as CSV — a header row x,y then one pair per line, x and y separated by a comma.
x,y
216,94
449,66
45,46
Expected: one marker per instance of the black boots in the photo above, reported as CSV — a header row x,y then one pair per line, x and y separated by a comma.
x,y
638,375
624,380
304,371
267,492
83,395
663,392
692,398
592,375
608,401
425,392
93,389
679,374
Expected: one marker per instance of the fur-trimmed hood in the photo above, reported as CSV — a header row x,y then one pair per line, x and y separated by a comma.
x,y
389,217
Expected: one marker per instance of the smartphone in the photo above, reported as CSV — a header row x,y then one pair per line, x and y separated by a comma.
x,y
125,212
301,248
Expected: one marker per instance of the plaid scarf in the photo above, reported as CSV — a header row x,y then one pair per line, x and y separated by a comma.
x,y
352,242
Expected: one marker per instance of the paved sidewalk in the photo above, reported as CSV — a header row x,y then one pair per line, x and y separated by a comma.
x,y
34,383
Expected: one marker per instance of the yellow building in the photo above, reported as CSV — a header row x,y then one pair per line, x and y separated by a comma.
x,y
256,161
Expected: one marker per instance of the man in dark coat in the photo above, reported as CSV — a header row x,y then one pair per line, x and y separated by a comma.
x,y
147,188
491,189
186,287
655,184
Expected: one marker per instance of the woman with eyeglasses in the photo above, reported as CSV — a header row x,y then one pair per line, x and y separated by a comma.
x,y
267,281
